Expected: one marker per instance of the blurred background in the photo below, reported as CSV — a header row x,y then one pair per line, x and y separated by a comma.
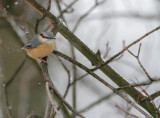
x,y
104,25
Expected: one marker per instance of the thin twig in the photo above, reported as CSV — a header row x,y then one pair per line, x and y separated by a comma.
x,y
44,15
9,113
107,50
52,113
128,109
51,100
139,84
155,95
68,72
101,80
33,116
86,14
131,44
69,77
79,78
48,79
60,10
5,86
96,102
140,64
66,103
74,90
120,56
74,68
68,7
150,98
48,110
126,112
88,53
9,49
74,29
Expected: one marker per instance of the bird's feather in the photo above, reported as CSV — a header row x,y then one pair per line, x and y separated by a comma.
x,y
33,43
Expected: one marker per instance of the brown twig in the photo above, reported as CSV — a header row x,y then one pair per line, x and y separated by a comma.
x,y
139,84
9,113
60,10
126,112
65,102
89,54
120,56
127,47
68,7
69,77
48,110
51,87
33,116
107,45
79,78
52,113
74,90
49,92
74,29
9,49
44,15
150,98
73,67
96,102
140,64
107,50
86,14
5,86
68,72
155,95
101,80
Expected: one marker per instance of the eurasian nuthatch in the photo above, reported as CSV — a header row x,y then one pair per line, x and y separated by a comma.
x,y
41,45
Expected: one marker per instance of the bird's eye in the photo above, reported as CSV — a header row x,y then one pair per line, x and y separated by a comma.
x,y
41,34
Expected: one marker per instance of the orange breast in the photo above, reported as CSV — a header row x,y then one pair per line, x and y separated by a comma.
x,y
41,51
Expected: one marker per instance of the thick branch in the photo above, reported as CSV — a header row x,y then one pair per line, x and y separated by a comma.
x,y
101,80
95,59
48,80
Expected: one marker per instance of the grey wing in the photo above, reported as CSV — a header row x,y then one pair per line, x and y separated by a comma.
x,y
33,43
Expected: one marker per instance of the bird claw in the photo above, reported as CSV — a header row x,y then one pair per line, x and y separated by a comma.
x,y
43,61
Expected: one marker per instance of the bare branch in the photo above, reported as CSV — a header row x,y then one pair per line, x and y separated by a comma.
x,y
51,100
115,77
101,80
140,64
51,87
86,14
66,9
134,42
69,77
44,15
107,50
5,86
60,10
65,102
155,95
96,102
48,110
33,116
126,111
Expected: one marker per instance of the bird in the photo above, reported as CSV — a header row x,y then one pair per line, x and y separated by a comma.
x,y
40,46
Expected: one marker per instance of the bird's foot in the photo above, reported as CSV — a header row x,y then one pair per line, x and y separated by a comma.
x,y
43,61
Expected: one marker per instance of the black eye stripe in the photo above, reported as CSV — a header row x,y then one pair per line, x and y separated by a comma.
x,y
47,37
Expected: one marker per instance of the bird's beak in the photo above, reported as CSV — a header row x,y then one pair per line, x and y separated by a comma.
x,y
23,48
